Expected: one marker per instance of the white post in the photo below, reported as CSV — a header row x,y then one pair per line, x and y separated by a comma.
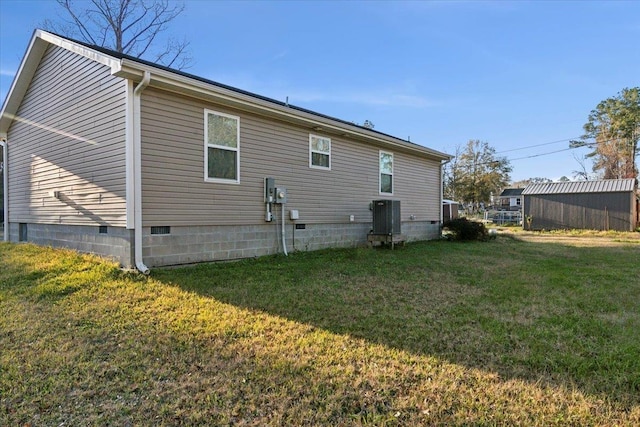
x,y
5,188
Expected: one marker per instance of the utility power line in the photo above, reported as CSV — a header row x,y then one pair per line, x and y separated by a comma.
x,y
587,145
537,145
542,154
590,145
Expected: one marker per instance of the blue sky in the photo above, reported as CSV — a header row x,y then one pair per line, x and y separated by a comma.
x,y
514,74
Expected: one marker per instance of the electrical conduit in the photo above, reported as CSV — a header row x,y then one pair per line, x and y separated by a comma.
x,y
284,240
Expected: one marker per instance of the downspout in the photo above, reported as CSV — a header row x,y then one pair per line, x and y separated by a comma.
x,y
137,174
5,188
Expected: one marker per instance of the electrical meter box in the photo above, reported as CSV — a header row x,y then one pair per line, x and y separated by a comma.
x,y
386,217
281,195
269,190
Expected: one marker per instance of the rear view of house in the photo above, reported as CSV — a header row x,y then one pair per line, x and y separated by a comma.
x,y
594,205
151,166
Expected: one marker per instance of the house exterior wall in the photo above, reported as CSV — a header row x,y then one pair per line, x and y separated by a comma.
x,y
68,179
510,203
211,221
66,151
175,193
593,211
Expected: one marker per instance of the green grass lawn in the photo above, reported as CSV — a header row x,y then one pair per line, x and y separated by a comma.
x,y
507,332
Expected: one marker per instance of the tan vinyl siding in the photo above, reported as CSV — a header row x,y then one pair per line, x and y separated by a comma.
x,y
69,136
175,193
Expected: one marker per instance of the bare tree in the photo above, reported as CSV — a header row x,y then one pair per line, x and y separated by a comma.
x,y
451,176
131,27
581,174
534,180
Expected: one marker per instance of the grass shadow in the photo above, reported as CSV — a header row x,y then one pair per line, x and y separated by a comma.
x,y
56,275
541,312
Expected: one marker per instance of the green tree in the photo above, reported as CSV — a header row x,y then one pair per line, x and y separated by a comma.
x,y
613,131
475,173
132,27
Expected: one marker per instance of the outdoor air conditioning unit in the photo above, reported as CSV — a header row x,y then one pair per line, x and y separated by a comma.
x,y
386,217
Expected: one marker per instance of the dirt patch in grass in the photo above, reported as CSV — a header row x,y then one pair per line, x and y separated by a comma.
x,y
581,238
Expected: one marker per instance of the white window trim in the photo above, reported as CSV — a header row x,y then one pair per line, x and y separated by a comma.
x,y
311,151
207,145
393,161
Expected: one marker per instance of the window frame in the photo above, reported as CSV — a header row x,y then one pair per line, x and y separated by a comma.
x,y
208,145
380,172
311,151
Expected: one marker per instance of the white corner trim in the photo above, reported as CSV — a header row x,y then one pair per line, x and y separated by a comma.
x,y
5,183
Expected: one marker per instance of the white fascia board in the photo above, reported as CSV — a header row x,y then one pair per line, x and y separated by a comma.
x,y
21,82
82,50
173,82
38,45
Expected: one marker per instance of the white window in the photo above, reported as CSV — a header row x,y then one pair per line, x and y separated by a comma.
x,y
221,147
386,172
319,152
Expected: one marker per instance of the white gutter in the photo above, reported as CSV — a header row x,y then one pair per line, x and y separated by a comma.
x,y
5,183
137,173
193,87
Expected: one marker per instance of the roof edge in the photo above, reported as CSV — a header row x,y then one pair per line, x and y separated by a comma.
x,y
197,87
581,187
128,67
38,44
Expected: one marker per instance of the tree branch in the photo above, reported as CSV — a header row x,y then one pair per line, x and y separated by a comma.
x,y
127,26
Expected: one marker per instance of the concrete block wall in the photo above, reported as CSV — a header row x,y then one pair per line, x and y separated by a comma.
x,y
184,245
421,230
322,236
212,243
115,244
191,244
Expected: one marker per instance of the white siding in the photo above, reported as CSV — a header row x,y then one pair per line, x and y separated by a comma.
x,y
69,136
174,191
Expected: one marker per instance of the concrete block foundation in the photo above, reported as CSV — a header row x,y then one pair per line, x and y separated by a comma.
x,y
193,244
115,243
